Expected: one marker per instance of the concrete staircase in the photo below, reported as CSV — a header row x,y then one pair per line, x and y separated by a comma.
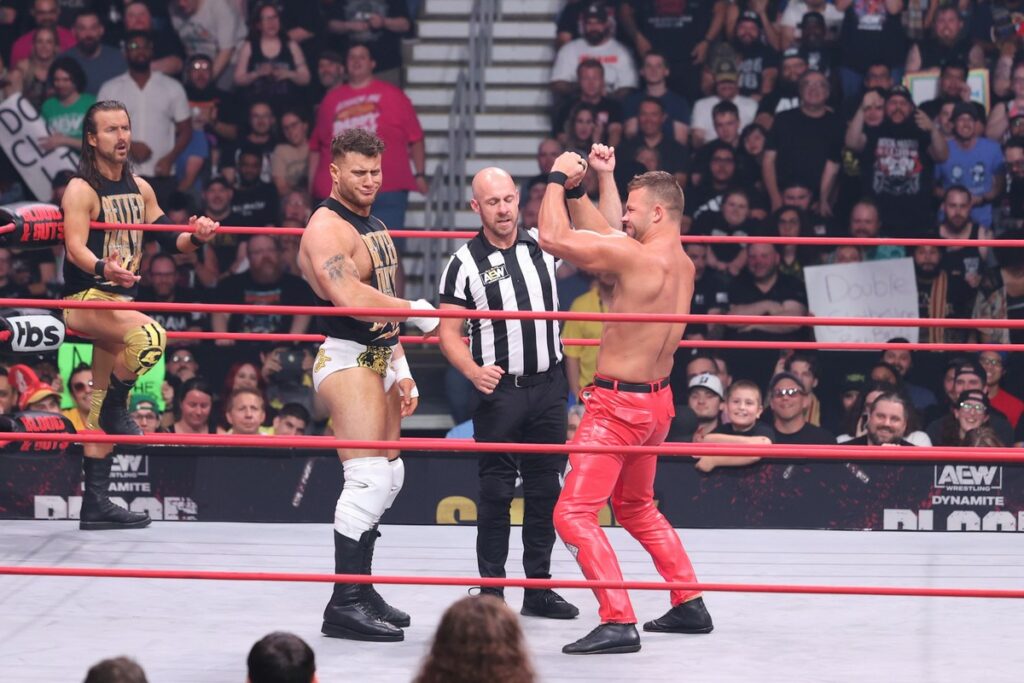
x,y
517,117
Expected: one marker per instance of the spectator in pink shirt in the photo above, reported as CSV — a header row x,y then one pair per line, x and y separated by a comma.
x,y
381,108
45,13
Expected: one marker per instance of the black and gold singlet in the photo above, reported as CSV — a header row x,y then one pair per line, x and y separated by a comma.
x,y
384,257
120,202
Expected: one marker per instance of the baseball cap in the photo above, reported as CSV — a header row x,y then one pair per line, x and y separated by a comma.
x,y
750,15
726,71
596,10
332,56
793,53
971,367
707,381
899,91
778,377
30,388
973,395
143,402
968,108
853,381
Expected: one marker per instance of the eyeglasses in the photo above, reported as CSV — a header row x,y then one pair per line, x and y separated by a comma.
x,y
144,415
181,358
973,407
78,386
200,66
991,361
792,391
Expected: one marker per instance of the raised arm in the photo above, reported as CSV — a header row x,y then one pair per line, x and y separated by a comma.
x,y
591,251
607,214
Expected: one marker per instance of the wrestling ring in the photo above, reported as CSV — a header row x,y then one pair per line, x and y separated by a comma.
x,y
188,600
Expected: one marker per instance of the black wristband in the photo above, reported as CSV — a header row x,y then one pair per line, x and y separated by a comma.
x,y
558,178
195,240
99,267
576,193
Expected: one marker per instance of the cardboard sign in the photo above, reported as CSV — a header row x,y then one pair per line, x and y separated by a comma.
x,y
21,127
871,289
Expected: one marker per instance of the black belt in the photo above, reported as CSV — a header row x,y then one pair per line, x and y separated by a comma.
x,y
523,381
616,385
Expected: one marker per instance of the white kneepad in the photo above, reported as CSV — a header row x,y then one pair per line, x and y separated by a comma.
x,y
364,497
397,480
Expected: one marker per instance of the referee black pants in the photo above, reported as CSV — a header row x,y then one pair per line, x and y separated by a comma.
x,y
526,414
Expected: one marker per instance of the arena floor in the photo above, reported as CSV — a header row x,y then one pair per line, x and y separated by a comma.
x,y
52,629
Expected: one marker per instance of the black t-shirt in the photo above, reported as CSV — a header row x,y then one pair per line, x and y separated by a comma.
x,y
808,434
231,149
758,429
608,111
710,290
224,104
753,60
673,27
783,98
289,290
898,171
871,37
225,245
256,205
744,291
959,261
935,55
803,144
863,441
177,322
933,107
714,223
672,157
820,59
385,46
12,291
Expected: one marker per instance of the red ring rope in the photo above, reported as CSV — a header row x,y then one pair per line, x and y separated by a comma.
x,y
194,574
768,451
397,313
695,239
684,344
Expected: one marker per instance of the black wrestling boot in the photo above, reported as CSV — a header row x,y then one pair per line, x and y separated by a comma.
x,y
98,511
114,417
606,639
392,615
686,617
348,614
547,604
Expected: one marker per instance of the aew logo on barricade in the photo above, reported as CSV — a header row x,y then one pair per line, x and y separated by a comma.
x,y
126,466
968,477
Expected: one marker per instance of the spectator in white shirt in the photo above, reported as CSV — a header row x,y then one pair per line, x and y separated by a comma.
x,y
702,128
209,27
159,111
597,43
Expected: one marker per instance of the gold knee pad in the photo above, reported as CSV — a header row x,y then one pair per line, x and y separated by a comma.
x,y
92,421
144,347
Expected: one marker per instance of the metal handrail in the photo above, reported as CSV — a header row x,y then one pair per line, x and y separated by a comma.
x,y
448,181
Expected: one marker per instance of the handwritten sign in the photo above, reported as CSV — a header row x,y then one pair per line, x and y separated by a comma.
x,y
924,86
872,289
21,127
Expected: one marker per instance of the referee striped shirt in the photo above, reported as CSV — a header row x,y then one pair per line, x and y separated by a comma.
x,y
479,276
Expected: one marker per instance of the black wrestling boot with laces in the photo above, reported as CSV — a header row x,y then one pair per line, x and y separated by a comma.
x,y
349,614
114,417
686,617
606,639
392,615
98,511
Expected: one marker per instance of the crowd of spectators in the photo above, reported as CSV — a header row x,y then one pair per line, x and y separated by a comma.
x,y
795,119
777,119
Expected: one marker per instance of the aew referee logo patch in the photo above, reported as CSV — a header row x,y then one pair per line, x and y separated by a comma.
x,y
494,275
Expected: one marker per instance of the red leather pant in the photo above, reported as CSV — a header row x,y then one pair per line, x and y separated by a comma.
x,y
618,418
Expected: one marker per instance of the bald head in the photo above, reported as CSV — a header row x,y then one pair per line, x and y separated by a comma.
x,y
496,200
492,180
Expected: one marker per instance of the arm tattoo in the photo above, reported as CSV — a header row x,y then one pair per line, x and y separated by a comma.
x,y
338,266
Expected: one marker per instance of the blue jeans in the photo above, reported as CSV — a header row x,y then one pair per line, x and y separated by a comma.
x,y
390,209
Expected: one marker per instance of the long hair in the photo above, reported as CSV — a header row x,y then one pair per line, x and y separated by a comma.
x,y
478,639
87,168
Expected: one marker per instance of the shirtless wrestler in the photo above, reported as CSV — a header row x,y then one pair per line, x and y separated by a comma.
x,y
630,403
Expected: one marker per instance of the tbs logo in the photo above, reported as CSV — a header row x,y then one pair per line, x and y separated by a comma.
x,y
34,333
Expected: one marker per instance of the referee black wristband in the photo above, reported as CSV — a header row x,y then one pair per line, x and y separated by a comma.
x,y
558,178
576,192
99,267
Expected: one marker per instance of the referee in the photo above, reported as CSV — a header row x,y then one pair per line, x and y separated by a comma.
x,y
516,366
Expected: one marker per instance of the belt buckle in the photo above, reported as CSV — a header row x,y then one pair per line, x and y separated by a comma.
x,y
515,381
